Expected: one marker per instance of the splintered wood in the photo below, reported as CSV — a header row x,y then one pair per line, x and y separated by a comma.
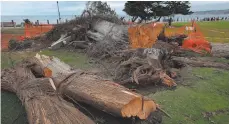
x,y
95,91
144,36
138,107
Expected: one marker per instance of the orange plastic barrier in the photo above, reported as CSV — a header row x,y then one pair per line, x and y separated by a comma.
x,y
144,36
196,40
5,38
33,31
29,31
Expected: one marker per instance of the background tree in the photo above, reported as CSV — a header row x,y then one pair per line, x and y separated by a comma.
x,y
139,9
177,7
99,8
147,10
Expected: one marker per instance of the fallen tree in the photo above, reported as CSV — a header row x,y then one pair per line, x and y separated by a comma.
x,y
42,103
195,62
145,65
97,92
220,50
93,29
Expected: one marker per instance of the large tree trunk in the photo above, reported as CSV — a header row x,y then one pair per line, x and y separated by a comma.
x,y
108,96
158,20
170,21
114,31
200,63
134,19
140,21
41,102
220,50
99,93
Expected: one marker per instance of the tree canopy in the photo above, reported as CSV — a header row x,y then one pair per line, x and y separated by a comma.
x,y
146,10
99,8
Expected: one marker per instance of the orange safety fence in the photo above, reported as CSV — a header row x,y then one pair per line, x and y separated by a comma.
x,y
145,35
5,38
196,40
29,32
33,31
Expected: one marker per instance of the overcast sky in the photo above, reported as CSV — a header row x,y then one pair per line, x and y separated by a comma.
x,y
76,7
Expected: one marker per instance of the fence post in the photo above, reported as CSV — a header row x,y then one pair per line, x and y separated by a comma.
x,y
13,23
22,25
48,22
37,22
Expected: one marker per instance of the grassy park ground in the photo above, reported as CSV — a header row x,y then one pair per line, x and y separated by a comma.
x,y
213,31
202,96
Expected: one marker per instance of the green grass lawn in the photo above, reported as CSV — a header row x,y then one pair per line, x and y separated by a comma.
x,y
213,31
187,104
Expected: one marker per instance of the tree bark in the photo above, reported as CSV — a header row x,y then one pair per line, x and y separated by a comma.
x,y
140,21
220,50
109,97
99,93
170,21
42,104
159,19
134,19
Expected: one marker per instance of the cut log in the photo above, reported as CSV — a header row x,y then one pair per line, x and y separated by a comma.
x,y
102,94
108,96
42,104
200,63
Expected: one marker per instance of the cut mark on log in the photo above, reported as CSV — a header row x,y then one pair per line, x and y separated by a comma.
x,y
138,107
